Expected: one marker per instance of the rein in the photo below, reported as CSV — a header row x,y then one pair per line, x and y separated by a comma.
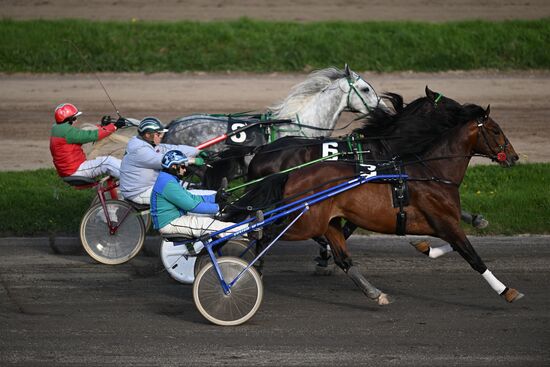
x,y
347,162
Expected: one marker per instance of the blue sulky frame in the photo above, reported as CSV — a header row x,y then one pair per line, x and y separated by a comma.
x,y
301,206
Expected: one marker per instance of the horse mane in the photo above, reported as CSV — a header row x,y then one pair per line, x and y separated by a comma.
x,y
413,128
303,92
263,195
289,141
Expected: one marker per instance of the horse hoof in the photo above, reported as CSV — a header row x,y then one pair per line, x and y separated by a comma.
x,y
512,295
383,299
324,270
479,222
421,246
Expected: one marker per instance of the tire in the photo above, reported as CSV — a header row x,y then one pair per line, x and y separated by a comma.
x,y
117,248
234,248
179,267
240,304
146,218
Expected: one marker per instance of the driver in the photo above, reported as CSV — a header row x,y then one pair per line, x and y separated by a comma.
x,y
66,142
171,203
141,163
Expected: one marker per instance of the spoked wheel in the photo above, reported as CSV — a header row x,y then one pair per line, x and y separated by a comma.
x,y
145,215
234,248
234,308
179,267
119,247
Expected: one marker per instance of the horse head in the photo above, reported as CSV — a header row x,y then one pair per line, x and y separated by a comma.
x,y
361,96
492,143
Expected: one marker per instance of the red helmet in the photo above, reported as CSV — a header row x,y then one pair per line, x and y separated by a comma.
x,y
65,111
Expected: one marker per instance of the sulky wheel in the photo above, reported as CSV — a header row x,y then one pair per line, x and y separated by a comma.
x,y
234,308
145,215
112,248
234,248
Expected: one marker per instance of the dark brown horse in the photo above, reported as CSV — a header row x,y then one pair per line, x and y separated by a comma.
x,y
433,187
401,131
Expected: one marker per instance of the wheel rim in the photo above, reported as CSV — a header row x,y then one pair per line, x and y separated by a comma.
x,y
233,248
109,248
236,307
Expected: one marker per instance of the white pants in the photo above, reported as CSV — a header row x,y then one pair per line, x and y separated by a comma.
x,y
144,197
99,166
196,226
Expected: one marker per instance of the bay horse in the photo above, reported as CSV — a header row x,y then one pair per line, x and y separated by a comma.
x,y
292,151
434,176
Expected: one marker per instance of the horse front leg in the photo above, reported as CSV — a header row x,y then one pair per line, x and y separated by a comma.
x,y
342,258
460,243
424,247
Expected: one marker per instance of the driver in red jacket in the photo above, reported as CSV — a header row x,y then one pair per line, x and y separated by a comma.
x,y
66,145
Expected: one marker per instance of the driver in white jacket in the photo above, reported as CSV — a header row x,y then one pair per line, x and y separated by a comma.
x,y
141,163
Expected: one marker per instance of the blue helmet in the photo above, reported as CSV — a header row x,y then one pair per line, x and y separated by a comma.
x,y
151,124
172,157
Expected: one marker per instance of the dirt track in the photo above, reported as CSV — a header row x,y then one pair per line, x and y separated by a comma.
x,y
519,102
293,10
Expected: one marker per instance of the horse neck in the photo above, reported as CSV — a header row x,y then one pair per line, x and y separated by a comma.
x,y
455,151
322,111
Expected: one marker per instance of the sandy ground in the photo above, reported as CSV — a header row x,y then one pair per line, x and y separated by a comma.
x,y
294,10
519,102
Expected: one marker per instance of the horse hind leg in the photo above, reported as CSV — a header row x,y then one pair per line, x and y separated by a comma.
x,y
343,260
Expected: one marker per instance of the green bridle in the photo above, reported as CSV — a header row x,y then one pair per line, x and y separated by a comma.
x,y
353,89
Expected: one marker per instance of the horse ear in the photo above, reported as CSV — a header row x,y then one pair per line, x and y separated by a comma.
x,y
488,110
430,94
347,70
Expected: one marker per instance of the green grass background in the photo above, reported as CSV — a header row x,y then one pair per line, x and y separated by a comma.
x,y
515,200
249,45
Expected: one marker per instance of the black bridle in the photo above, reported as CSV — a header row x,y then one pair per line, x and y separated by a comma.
x,y
498,151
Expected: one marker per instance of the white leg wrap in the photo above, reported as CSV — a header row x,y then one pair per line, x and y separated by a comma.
x,y
493,282
435,252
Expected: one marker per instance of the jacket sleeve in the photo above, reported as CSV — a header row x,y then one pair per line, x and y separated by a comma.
x,y
209,198
105,131
206,208
148,157
188,150
79,136
180,197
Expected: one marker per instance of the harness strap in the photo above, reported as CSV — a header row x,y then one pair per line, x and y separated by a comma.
x,y
400,199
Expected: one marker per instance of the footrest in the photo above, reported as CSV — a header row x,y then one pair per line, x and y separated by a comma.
x,y
176,237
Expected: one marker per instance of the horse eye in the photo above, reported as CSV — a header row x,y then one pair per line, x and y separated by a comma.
x,y
366,89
